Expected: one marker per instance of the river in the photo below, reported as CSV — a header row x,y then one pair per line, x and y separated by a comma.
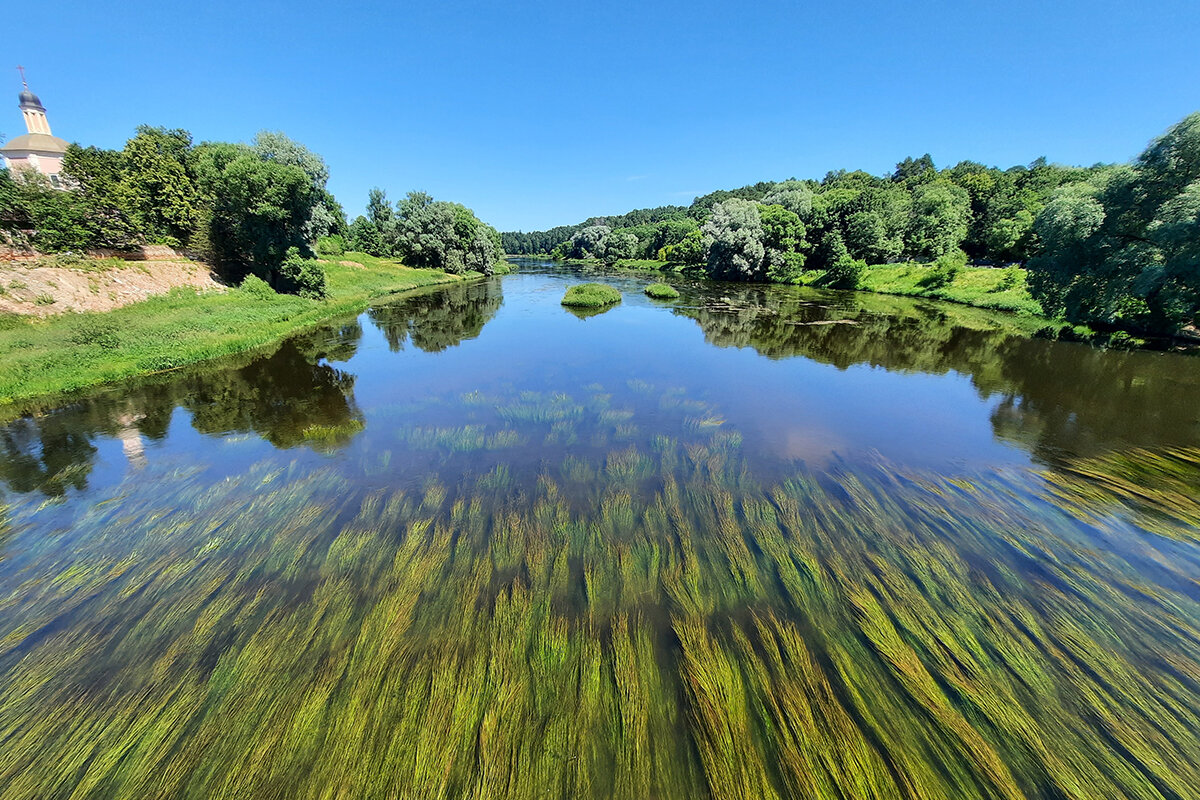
x,y
754,542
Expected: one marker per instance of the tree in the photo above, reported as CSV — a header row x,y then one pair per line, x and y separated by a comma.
x,y
692,249
447,236
867,238
915,170
363,236
845,273
783,242
620,244
795,196
941,211
163,200
734,240
260,210
95,177
830,250
383,217
1120,248
278,147
589,242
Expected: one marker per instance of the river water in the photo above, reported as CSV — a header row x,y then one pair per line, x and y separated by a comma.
x,y
755,542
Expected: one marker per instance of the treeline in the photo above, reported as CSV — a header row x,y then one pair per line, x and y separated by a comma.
x,y
1113,246
258,209
250,209
426,233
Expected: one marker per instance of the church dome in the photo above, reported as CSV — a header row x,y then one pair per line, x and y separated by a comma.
x,y
42,143
28,98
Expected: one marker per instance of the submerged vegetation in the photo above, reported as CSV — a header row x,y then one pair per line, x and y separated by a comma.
x,y
1108,246
627,622
591,295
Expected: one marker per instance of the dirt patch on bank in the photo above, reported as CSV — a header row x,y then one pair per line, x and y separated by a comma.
x,y
32,289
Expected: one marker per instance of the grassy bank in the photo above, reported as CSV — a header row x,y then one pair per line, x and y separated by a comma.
x,y
73,352
982,287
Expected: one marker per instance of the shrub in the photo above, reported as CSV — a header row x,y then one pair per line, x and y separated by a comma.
x,y
845,273
302,276
1122,340
98,331
43,300
257,287
945,270
661,291
591,295
1010,280
331,245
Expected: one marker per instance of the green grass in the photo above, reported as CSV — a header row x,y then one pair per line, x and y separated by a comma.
x,y
591,295
661,291
46,358
982,287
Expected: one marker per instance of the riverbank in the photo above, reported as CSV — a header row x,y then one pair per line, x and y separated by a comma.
x,y
46,358
982,287
56,284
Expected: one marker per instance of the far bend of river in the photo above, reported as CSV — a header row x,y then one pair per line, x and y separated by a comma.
x,y
756,542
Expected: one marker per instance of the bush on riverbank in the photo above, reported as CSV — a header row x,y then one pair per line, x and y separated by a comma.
x,y
661,291
591,295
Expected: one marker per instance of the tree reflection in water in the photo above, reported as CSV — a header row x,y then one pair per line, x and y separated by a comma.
x,y
1055,399
291,397
439,319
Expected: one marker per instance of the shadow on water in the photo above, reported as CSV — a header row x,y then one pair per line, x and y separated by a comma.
x,y
291,397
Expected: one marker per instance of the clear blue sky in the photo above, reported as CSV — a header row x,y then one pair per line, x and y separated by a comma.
x,y
537,114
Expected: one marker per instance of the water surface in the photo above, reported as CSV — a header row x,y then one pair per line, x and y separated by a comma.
x,y
756,542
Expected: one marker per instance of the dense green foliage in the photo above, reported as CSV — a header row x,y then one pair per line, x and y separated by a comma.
x,y
1123,247
1111,246
426,233
244,207
591,295
70,352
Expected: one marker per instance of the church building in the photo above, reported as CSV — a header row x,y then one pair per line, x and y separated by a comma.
x,y
38,149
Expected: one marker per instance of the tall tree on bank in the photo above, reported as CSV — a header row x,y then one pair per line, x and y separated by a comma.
x,y
426,233
1123,248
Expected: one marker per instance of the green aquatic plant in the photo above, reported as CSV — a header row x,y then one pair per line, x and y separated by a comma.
x,y
661,291
629,623
1161,486
591,295
332,435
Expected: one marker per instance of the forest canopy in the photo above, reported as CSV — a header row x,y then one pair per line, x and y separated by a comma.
x,y
1108,245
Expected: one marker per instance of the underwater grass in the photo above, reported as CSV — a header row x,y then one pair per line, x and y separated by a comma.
x,y
591,295
634,623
